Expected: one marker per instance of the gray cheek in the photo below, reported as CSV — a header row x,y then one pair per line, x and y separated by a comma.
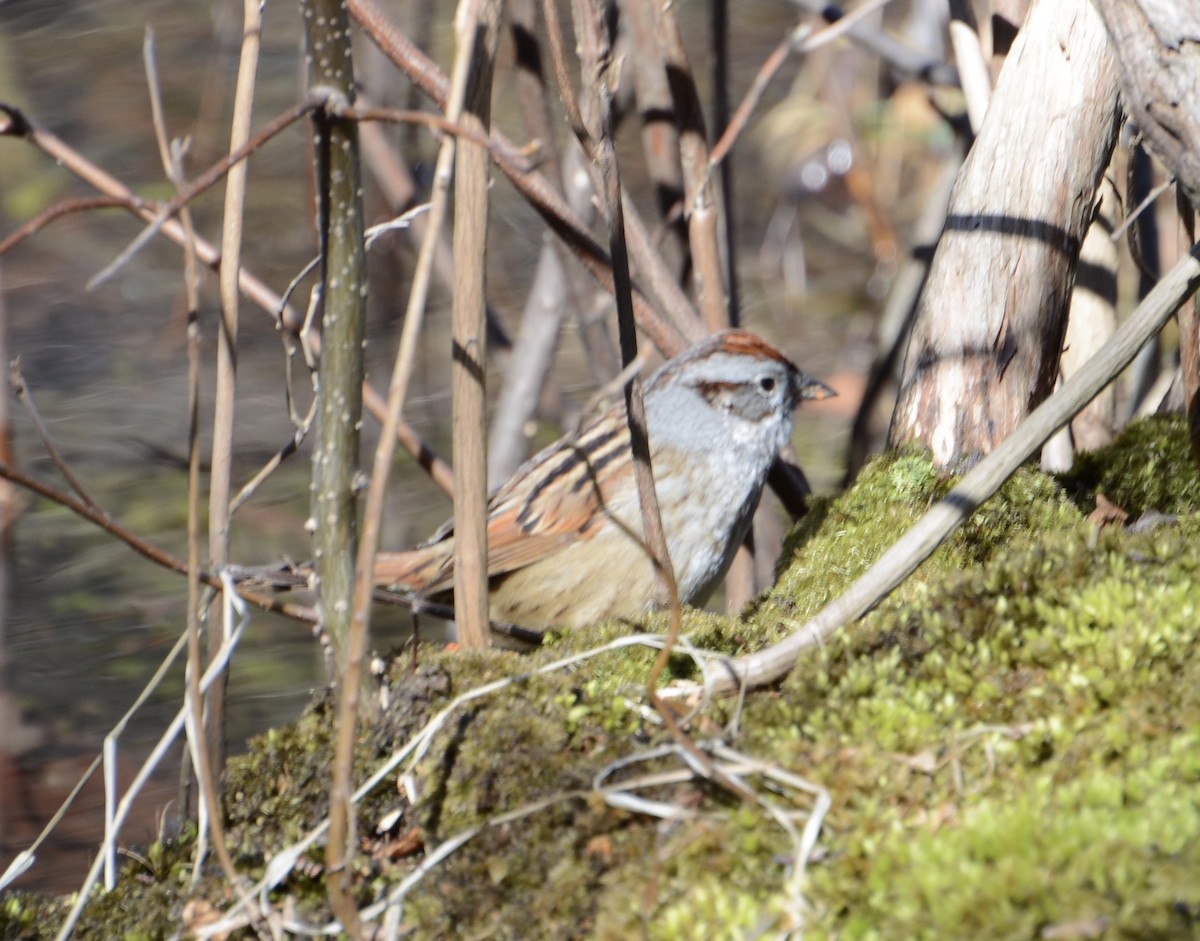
x,y
752,405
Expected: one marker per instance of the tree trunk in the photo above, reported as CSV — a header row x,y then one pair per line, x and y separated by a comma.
x,y
1158,47
989,326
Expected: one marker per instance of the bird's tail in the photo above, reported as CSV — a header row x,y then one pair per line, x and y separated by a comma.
x,y
413,570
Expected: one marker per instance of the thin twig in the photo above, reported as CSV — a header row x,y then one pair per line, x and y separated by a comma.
x,y
58,150
740,581
801,41
202,745
273,463
143,547
726,220
66,207
899,56
540,193
767,71
202,183
500,148
221,470
1150,199
17,381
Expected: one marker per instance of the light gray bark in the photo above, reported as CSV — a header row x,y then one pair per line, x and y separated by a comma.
x,y
989,326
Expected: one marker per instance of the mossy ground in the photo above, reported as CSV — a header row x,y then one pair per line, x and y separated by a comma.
x,y
1011,745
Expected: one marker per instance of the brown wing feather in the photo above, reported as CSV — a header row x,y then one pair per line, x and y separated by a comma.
x,y
550,502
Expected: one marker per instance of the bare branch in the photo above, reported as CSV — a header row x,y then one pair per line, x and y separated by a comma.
x,y
903,558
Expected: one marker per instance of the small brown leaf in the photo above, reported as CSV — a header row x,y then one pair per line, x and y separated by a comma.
x,y
198,913
1106,513
409,844
601,848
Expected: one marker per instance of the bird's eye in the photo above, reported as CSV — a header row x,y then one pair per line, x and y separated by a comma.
x,y
767,383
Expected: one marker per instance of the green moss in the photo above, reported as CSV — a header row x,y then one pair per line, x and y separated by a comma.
x,y
842,537
149,902
27,917
1014,749
1151,466
1011,745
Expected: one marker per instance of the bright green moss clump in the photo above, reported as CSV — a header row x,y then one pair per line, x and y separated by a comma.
x,y
1011,745
1013,748
1151,467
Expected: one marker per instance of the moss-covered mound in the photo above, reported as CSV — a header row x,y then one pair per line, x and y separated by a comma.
x,y
1010,745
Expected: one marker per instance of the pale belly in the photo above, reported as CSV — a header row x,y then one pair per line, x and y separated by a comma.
x,y
611,575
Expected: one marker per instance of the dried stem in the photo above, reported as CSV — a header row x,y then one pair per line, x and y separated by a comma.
x,y
206,725
540,193
478,30
700,203
402,368
220,476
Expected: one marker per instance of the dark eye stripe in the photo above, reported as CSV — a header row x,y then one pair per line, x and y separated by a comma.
x,y
712,390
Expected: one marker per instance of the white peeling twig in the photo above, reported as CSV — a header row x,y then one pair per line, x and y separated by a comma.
x,y
280,865
156,756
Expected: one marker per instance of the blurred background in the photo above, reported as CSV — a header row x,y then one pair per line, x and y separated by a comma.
x,y
838,162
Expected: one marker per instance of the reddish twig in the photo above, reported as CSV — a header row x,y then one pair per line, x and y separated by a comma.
x,y
17,381
16,124
209,178
66,207
801,40
144,547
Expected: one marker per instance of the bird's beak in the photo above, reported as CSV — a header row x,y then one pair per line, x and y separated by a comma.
x,y
809,388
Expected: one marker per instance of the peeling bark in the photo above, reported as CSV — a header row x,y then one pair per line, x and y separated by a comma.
x,y
1157,43
989,326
